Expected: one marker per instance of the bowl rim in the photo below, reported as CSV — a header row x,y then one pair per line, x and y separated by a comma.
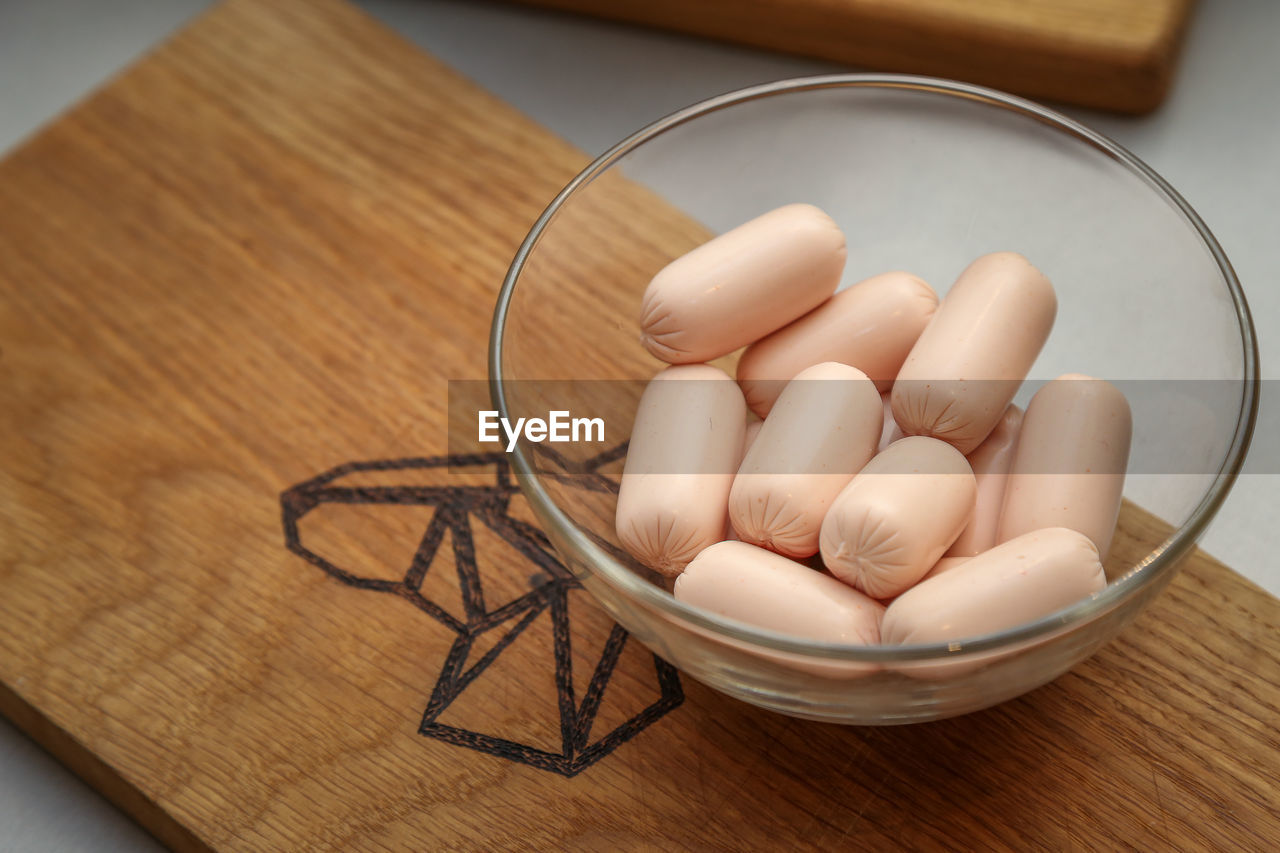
x,y
1157,566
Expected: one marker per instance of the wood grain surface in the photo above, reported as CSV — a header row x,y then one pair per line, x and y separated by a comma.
x,y
1114,54
259,254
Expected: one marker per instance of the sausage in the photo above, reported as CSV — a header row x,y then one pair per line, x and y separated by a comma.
x,y
898,516
750,435
968,363
1070,463
823,429
889,432
1014,583
742,285
943,565
686,443
871,326
765,589
990,463
749,438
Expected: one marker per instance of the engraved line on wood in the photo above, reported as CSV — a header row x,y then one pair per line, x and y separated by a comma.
x,y
456,509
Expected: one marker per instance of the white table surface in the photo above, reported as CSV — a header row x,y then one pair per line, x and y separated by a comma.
x,y
1217,140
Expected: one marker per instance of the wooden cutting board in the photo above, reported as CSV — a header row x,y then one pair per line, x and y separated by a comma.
x,y
243,594
1115,54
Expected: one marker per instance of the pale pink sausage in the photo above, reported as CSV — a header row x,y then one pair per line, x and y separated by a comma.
x,y
1012,584
871,326
943,565
889,432
685,446
749,437
897,517
756,586
1070,463
821,432
990,463
742,285
968,363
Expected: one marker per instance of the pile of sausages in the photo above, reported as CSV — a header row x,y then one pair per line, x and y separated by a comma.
x,y
977,518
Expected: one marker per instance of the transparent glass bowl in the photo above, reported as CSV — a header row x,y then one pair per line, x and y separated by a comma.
x,y
923,175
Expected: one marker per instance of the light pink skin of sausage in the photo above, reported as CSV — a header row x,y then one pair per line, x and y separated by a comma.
x,y
685,446
823,429
945,564
872,326
759,587
990,463
749,438
889,431
968,363
1020,581
898,516
1070,463
742,285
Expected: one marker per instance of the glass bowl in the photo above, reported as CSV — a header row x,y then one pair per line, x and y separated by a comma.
x,y
923,175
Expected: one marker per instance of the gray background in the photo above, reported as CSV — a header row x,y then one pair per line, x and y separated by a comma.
x,y
1217,140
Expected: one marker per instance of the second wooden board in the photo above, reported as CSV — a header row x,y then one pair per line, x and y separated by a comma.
x,y
1114,54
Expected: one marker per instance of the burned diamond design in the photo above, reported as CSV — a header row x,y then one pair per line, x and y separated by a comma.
x,y
450,577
